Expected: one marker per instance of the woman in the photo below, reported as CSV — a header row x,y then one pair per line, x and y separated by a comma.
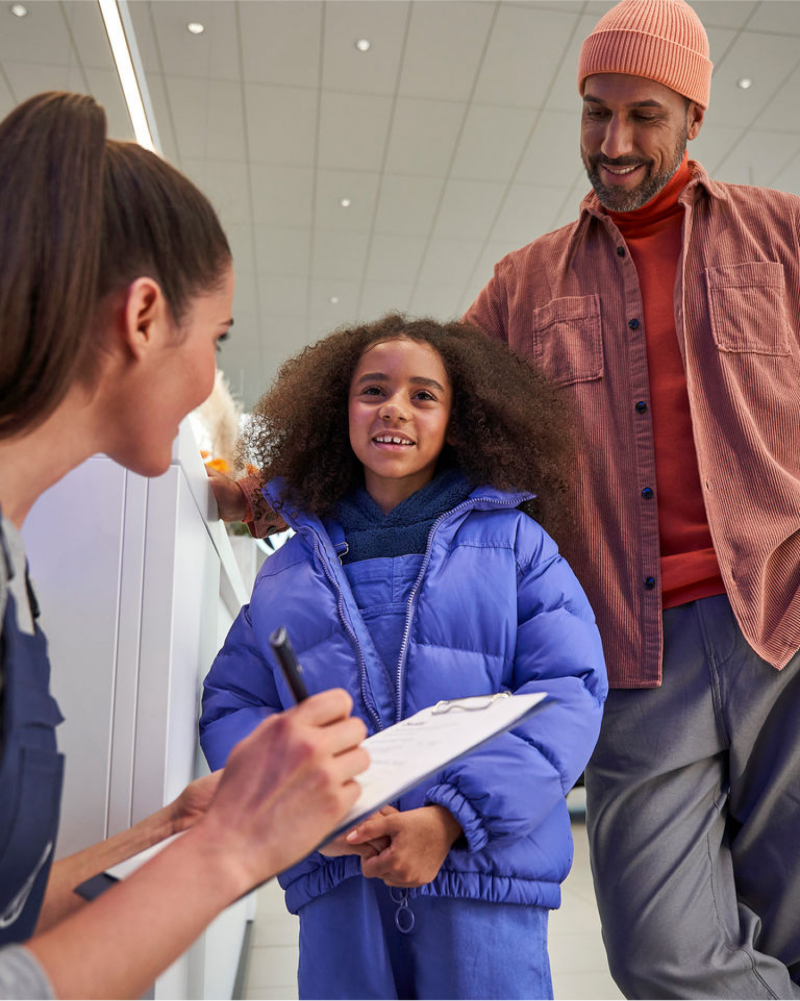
x,y
115,289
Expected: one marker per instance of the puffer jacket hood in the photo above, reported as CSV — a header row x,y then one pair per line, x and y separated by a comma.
x,y
493,607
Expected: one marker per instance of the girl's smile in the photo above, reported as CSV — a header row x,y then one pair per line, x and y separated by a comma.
x,y
399,412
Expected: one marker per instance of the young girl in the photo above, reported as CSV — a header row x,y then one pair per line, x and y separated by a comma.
x,y
401,452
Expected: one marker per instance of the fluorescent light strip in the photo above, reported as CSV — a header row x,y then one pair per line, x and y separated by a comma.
x,y
127,76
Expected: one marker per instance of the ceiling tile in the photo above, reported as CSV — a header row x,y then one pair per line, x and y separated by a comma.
x,y
7,102
492,141
788,179
240,239
286,295
225,185
163,116
104,85
282,251
339,255
361,187
724,13
352,132
468,209
758,158
281,123
424,136
284,336
446,40
379,298
778,112
450,262
323,290
768,60
713,144
88,35
436,300
395,258
407,205
553,155
214,54
27,79
281,42
208,118
524,52
282,196
41,37
564,94
372,72
777,16
528,211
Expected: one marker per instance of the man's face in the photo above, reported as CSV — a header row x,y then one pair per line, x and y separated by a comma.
x,y
633,136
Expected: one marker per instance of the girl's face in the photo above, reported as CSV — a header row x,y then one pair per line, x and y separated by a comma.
x,y
399,413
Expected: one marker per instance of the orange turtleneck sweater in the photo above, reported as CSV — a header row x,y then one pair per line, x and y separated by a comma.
x,y
653,233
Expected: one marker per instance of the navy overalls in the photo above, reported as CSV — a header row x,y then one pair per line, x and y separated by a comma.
x,y
31,772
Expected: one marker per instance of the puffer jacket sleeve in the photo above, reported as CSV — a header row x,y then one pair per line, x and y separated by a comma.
x,y
504,790
238,693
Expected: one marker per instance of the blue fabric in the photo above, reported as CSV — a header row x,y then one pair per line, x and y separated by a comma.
x,y
371,533
494,607
455,949
381,588
31,773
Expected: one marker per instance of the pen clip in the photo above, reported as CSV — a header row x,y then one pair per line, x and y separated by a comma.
x,y
445,705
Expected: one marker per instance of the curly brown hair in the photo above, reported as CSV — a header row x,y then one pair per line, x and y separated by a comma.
x,y
507,427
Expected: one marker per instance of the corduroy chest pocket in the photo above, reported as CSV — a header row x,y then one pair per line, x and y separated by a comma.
x,y
567,341
746,304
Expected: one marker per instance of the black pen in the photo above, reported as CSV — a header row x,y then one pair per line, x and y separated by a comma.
x,y
288,663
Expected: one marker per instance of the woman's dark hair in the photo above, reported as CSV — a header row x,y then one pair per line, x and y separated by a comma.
x,y
80,217
507,427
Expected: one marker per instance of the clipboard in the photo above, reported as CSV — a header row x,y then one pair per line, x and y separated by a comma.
x,y
401,757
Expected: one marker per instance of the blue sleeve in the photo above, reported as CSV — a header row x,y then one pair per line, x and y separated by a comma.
x,y
504,790
238,693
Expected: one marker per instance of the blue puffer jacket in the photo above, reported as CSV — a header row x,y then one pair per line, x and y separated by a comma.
x,y
494,607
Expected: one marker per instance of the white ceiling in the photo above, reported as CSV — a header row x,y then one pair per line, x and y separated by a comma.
x,y
455,136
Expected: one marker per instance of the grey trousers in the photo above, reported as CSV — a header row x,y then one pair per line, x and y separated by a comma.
x,y
693,813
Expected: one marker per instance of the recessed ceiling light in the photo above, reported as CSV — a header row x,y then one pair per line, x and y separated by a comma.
x,y
334,299
345,203
363,45
195,27
18,9
745,83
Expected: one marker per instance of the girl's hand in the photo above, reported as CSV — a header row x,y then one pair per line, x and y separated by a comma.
x,y
420,841
341,846
230,499
193,802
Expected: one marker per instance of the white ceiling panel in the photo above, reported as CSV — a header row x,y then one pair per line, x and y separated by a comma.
x,y
353,130
286,295
41,37
768,60
27,79
282,251
437,300
788,179
564,94
104,85
407,204
468,209
163,115
208,117
528,211
524,52
88,35
7,99
724,13
714,144
450,262
281,123
385,297
395,258
372,72
424,136
446,42
283,337
240,239
779,16
553,154
759,158
280,41
777,114
339,255
282,196
361,187
214,54
225,184
323,291
492,142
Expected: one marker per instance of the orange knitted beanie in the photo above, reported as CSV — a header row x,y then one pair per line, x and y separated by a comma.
x,y
662,40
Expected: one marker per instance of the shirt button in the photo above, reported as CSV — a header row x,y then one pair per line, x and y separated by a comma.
x,y
620,251
649,583
641,406
633,324
647,493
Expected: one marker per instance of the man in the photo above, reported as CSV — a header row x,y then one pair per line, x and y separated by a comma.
x,y
669,313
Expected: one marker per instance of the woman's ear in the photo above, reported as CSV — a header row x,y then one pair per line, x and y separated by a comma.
x,y
145,316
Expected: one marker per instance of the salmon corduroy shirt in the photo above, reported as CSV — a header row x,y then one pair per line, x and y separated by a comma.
x,y
571,302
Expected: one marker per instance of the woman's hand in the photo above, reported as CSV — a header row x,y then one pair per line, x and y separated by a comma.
x,y
229,497
420,840
366,849
286,786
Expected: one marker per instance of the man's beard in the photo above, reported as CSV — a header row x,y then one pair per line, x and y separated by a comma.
x,y
617,198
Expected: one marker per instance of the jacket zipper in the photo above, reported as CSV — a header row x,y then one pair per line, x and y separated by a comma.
x,y
469,503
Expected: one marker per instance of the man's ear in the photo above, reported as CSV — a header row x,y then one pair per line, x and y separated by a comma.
x,y
145,313
694,120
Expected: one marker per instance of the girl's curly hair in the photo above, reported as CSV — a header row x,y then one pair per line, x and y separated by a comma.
x,y
507,427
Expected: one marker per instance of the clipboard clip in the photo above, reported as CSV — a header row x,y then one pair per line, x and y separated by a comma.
x,y
445,705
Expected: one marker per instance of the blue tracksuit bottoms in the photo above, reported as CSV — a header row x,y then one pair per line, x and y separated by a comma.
x,y
366,940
